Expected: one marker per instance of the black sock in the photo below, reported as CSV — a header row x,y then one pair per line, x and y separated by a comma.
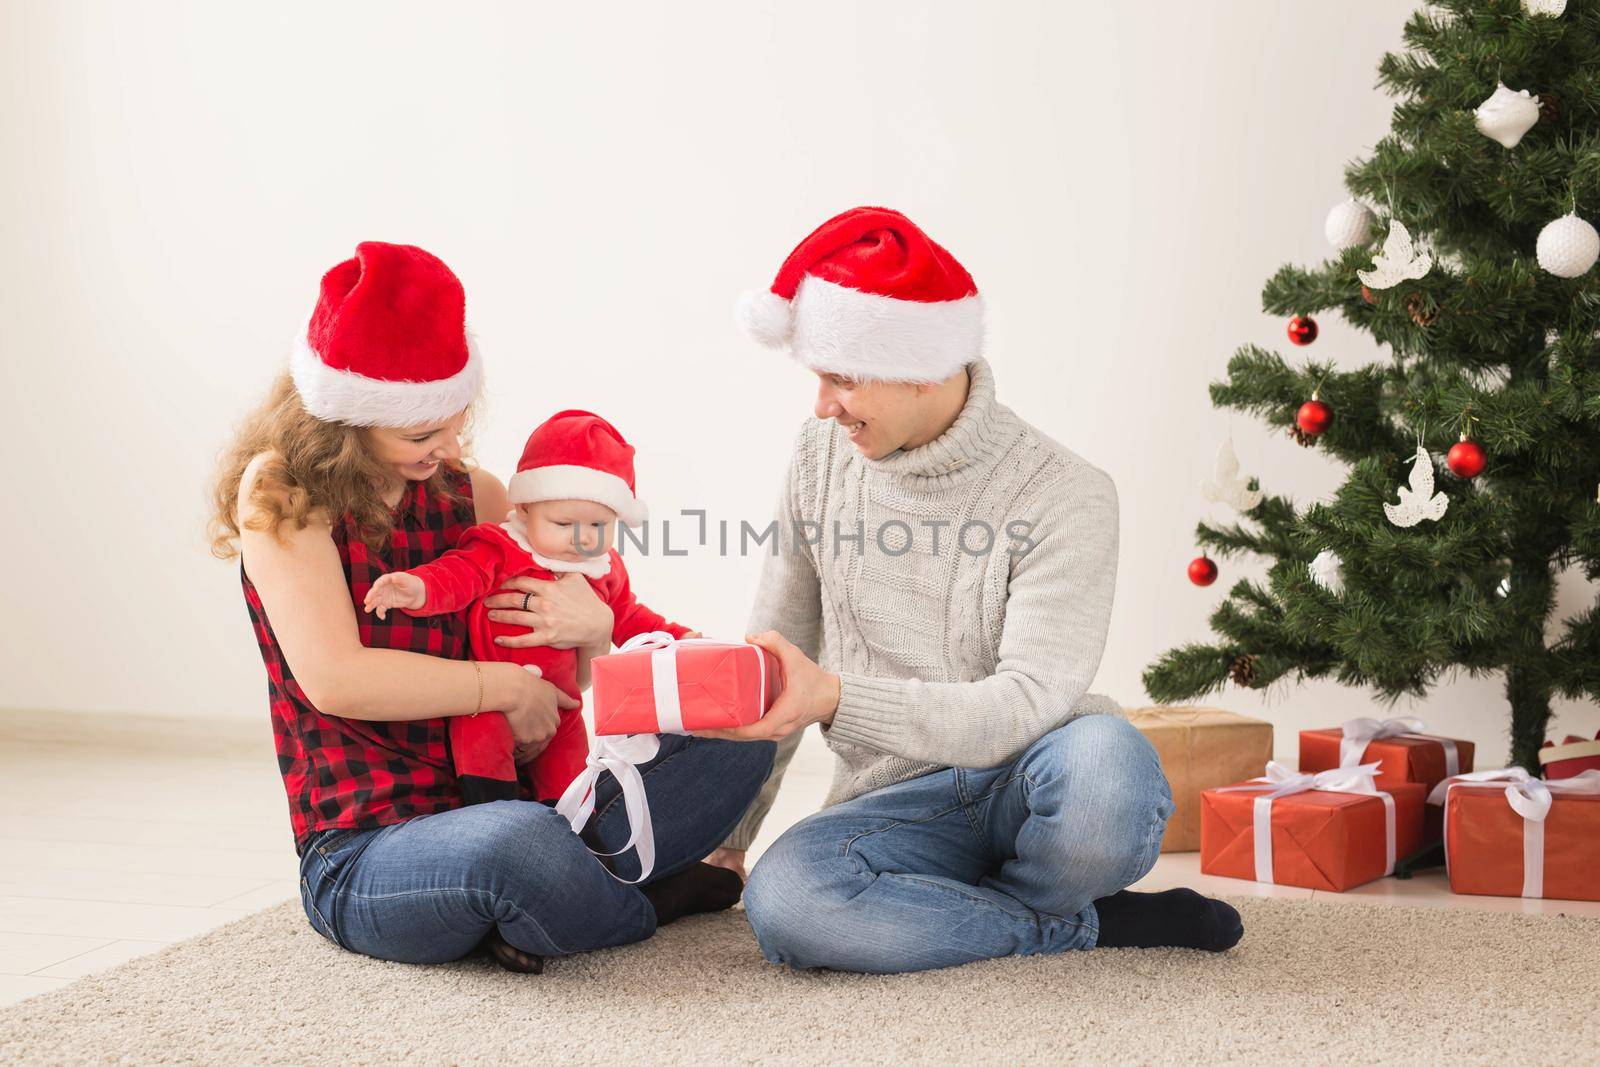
x,y
701,888
1178,918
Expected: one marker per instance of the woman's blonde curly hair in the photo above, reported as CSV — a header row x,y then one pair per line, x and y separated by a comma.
x,y
318,468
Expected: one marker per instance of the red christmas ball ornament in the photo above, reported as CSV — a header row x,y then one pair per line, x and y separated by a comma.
x,y
1466,458
1302,329
1202,571
1313,417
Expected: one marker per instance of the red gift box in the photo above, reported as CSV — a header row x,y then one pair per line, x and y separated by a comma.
x,y
1332,830
654,684
1507,834
1402,752
1570,758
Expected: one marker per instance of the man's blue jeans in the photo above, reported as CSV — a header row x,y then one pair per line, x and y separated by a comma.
x,y
429,889
962,865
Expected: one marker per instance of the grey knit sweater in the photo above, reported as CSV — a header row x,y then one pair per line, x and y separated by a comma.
x,y
951,652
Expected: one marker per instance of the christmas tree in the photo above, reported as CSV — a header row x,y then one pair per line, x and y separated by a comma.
x,y
1413,571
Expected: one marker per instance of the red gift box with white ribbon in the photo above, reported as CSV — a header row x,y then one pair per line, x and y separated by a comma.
x,y
1570,758
1508,834
1400,748
654,684
1331,830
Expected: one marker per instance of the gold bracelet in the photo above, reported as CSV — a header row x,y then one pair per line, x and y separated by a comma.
x,y
479,669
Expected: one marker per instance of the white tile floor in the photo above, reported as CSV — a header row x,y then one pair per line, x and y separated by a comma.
x,y
111,853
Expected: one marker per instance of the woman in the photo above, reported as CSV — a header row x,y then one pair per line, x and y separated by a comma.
x,y
354,467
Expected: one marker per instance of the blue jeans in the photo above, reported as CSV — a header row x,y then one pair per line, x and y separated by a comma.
x,y
429,889
962,865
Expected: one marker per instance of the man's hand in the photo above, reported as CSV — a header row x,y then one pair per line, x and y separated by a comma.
x,y
397,589
810,694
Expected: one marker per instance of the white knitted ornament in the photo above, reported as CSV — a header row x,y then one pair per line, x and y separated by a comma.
x,y
1552,8
1327,570
1568,247
1226,485
1349,224
1507,115
1399,261
1418,501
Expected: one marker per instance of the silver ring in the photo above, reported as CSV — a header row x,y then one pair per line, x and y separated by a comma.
x,y
525,597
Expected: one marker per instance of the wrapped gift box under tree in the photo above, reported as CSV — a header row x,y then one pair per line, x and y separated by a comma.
x,y
1508,834
1400,747
1201,748
1331,830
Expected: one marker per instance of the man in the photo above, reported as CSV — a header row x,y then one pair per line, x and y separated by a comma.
x,y
939,601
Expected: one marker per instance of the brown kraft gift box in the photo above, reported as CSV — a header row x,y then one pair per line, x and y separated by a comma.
x,y
1201,748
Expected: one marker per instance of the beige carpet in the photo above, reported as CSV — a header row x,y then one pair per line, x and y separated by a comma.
x,y
1311,983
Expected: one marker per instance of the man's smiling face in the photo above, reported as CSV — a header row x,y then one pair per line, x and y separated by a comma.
x,y
880,416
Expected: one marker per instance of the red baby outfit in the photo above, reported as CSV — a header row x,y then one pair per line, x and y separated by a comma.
x,y
481,744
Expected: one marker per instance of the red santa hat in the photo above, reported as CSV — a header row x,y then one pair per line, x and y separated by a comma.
x,y
870,296
577,455
387,344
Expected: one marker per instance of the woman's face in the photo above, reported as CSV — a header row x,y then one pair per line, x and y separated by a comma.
x,y
415,452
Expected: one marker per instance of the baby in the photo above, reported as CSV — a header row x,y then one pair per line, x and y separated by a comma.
x,y
574,481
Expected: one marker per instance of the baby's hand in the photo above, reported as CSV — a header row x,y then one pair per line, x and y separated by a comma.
x,y
396,590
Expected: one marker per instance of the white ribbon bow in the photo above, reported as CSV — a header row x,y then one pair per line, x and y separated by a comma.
x,y
621,755
1530,798
1283,782
1359,733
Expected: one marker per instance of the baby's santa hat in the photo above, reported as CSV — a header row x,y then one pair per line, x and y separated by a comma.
x,y
870,296
577,455
387,344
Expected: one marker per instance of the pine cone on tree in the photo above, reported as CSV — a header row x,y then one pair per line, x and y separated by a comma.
x,y
1549,106
1423,312
1301,438
1243,670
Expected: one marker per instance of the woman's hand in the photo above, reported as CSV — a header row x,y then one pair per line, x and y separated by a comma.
x,y
564,613
532,706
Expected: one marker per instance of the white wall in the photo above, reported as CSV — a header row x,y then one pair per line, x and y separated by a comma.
x,y
606,178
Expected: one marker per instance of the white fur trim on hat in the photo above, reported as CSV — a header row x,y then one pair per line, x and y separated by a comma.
x,y
568,481
342,396
880,338
767,317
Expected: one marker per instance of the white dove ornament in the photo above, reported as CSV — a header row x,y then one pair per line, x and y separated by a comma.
x,y
1418,501
1553,8
1226,485
1507,115
1397,262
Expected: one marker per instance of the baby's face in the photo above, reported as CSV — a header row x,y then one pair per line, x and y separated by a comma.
x,y
571,530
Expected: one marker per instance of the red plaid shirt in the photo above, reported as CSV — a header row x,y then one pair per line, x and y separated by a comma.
x,y
355,773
